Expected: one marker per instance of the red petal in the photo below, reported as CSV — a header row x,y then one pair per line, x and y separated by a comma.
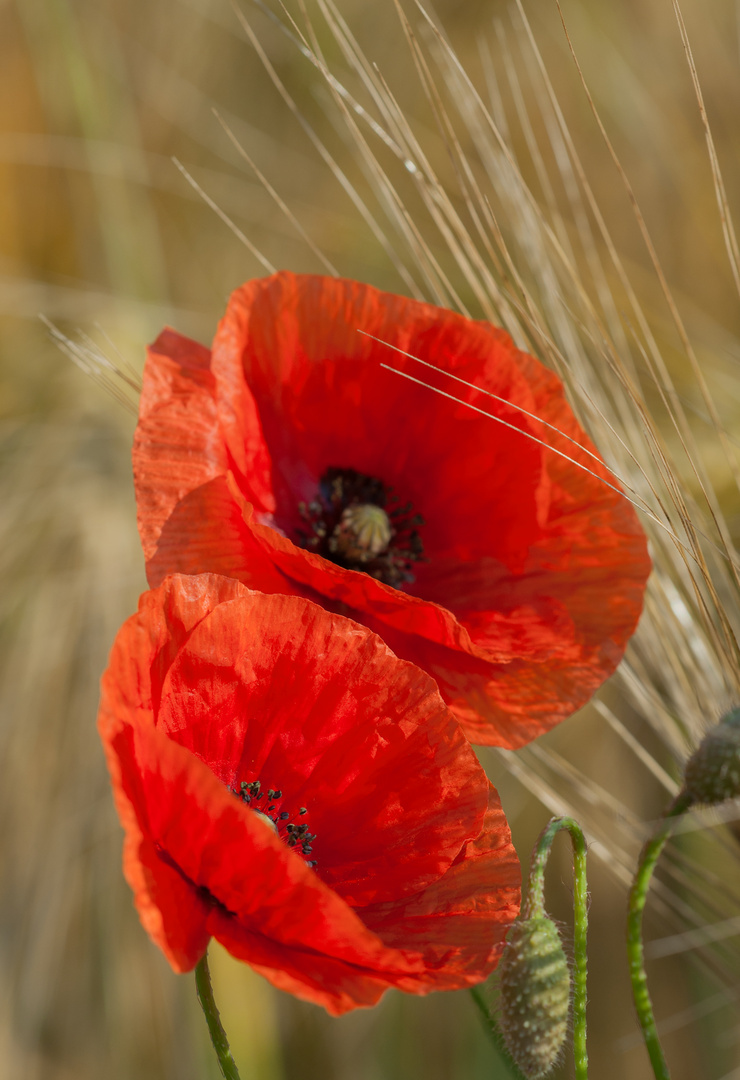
x,y
588,568
171,910
299,348
277,689
178,452
206,529
509,675
337,984
235,875
149,641
459,923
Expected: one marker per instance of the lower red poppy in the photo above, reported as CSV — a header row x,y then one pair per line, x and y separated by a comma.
x,y
290,787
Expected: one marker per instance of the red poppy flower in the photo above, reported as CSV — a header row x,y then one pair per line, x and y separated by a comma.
x,y
291,788
276,458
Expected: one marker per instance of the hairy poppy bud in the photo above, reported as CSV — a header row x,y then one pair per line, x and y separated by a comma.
x,y
535,995
713,771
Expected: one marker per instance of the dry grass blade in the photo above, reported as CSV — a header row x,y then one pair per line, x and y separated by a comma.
x,y
117,379
264,263
336,171
282,205
728,228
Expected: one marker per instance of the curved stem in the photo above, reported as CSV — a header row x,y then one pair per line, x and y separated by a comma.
x,y
494,1034
635,951
580,953
215,1028
534,905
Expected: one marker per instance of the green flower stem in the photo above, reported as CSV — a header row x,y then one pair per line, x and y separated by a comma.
x,y
534,904
635,951
494,1034
215,1028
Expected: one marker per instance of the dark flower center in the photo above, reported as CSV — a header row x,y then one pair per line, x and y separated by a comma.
x,y
267,804
355,521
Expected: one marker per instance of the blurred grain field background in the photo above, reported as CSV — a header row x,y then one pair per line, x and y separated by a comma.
x,y
504,206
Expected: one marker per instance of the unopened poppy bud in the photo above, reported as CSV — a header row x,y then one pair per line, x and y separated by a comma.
x,y
535,995
713,771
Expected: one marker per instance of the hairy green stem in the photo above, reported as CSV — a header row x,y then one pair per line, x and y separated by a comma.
x,y
534,905
635,950
215,1027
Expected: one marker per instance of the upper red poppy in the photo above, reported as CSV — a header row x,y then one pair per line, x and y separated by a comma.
x,y
291,788
275,458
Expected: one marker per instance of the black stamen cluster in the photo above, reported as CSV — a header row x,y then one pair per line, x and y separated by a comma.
x,y
341,488
251,793
299,834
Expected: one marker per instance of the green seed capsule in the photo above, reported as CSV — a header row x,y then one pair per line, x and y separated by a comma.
x,y
535,995
712,772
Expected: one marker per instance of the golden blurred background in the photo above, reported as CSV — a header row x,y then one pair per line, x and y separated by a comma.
x,y
104,235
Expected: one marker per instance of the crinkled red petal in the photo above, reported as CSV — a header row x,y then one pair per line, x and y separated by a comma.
x,y
318,707
180,461
459,922
235,876
277,689
589,566
458,925
305,972
172,912
510,674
